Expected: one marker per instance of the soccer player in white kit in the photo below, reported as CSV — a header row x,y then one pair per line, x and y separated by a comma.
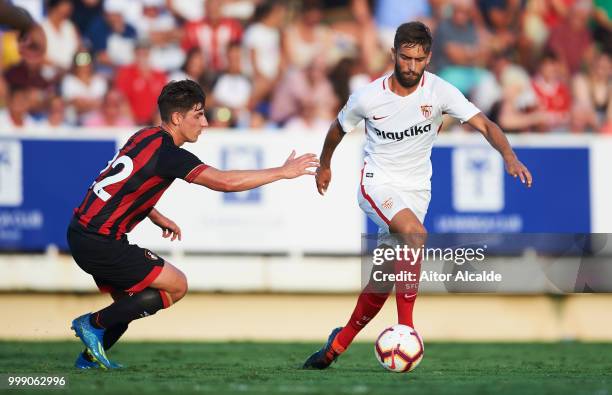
x,y
403,115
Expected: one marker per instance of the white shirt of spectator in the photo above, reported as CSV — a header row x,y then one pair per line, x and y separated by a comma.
x,y
62,44
120,49
232,91
7,125
163,57
266,43
191,10
400,131
74,88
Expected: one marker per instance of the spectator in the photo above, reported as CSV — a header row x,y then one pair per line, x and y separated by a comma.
x,y
592,94
159,27
194,68
307,38
29,75
62,36
307,119
358,37
602,32
555,11
187,10
299,85
56,114
212,35
141,85
502,18
111,37
389,14
459,54
84,13
233,89
114,112
262,46
571,40
508,97
16,115
552,92
347,76
82,89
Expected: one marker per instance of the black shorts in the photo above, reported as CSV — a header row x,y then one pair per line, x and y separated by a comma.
x,y
116,265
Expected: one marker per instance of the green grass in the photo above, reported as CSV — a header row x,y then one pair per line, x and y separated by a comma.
x,y
262,368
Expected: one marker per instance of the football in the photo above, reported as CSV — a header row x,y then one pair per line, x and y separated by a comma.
x,y
399,348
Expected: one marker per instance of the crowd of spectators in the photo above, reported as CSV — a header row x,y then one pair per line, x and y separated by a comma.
x,y
530,65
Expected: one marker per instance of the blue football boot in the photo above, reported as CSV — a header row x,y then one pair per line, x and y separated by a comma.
x,y
325,356
92,338
84,362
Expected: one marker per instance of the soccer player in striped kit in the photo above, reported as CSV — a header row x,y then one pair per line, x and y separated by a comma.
x,y
403,115
124,193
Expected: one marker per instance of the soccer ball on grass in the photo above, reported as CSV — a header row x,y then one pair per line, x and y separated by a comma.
x,y
399,348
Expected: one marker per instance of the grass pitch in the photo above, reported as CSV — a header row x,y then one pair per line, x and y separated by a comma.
x,y
273,368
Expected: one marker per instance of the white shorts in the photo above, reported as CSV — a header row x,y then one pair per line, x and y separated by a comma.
x,y
382,202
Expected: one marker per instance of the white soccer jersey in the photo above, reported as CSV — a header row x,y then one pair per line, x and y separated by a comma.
x,y
401,130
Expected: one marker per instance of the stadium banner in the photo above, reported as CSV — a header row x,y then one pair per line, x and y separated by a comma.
x,y
44,176
42,179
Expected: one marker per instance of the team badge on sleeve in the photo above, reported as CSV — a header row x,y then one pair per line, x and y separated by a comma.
x,y
151,255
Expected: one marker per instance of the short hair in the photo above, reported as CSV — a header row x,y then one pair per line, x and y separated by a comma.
x,y
179,96
413,34
548,55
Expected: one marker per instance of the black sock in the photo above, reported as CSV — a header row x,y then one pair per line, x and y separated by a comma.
x,y
113,334
130,308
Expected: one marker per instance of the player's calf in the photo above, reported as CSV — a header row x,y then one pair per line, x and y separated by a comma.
x,y
138,305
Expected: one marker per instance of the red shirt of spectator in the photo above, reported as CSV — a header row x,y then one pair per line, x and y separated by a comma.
x,y
553,96
212,35
141,85
571,39
555,11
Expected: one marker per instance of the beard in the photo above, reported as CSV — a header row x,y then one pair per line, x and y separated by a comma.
x,y
404,81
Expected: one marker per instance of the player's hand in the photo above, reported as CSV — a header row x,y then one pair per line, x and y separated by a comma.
x,y
323,179
515,168
295,167
169,228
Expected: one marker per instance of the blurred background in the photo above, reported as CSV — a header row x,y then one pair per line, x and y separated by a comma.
x,y
276,73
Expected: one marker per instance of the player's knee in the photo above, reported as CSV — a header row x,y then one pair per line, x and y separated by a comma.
x,y
414,234
180,289
414,228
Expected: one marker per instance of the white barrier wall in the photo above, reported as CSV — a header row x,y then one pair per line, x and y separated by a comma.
x,y
284,216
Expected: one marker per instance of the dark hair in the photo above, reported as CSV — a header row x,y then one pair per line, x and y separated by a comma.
x,y
51,4
179,96
264,9
413,34
548,55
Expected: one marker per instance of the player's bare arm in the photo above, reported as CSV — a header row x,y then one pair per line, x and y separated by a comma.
x,y
242,180
496,137
169,228
323,176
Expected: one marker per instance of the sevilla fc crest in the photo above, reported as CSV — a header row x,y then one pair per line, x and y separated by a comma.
x,y
426,110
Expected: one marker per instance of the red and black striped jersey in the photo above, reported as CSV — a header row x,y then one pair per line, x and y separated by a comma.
x,y
133,181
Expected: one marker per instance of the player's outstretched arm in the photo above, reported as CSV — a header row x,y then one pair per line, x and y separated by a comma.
x,y
168,227
334,136
496,137
243,180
